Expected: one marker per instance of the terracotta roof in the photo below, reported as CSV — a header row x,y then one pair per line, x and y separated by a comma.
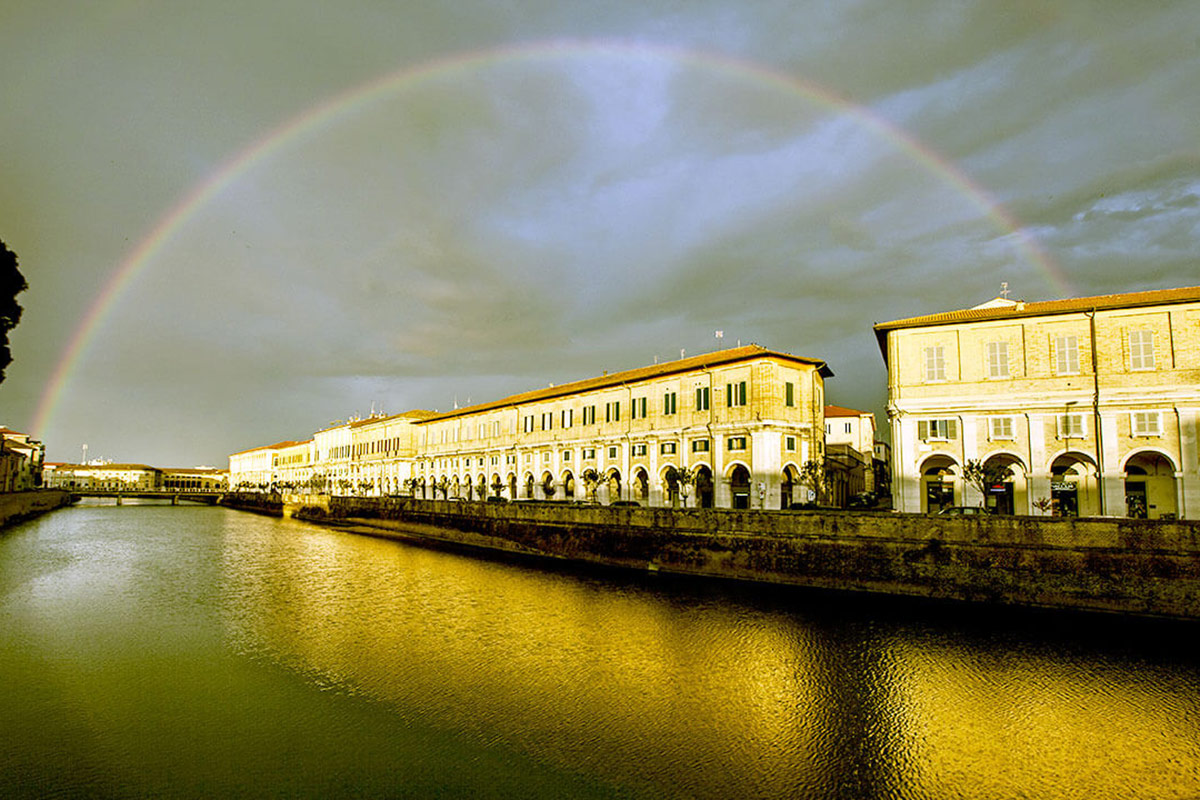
x,y
841,411
729,356
1020,310
276,446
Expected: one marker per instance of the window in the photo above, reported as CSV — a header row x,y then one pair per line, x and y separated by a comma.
x,y
567,417
482,430
612,452
667,448
637,408
529,424
700,445
1000,427
639,449
589,415
669,403
997,356
735,394
1145,423
566,455
529,458
702,398
1141,350
547,420
848,427
789,443
937,429
495,460
828,428
736,443
935,363
612,411
1066,355
496,428
1070,426
789,394
589,452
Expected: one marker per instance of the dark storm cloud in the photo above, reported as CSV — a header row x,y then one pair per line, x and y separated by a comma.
x,y
520,221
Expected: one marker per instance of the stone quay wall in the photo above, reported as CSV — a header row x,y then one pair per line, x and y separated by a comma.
x,y
16,506
1144,567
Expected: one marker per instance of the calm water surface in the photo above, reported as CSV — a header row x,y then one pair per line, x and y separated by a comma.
x,y
195,651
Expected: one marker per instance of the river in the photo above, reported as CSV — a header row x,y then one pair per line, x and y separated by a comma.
x,y
193,651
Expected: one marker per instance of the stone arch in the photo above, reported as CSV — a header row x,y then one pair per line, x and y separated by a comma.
x,y
547,485
1010,496
612,482
1150,484
641,486
512,486
527,486
481,487
670,484
568,484
1074,488
740,488
941,483
497,485
704,487
789,486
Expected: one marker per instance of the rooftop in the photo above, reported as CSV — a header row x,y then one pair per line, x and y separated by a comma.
x,y
717,358
1002,309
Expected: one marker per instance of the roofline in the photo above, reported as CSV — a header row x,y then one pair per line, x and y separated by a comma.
x,y
1042,308
636,375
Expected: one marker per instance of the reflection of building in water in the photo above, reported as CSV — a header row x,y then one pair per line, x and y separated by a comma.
x,y
742,422
1084,406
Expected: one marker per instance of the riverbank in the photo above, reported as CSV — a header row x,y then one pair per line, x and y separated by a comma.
x,y
18,506
1127,566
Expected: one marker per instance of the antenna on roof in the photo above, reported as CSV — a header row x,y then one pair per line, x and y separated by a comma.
x,y
682,352
1004,289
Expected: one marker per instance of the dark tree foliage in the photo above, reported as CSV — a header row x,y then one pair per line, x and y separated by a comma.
x,y
12,283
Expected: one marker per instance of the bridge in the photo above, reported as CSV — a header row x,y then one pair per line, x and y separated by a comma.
x,y
174,495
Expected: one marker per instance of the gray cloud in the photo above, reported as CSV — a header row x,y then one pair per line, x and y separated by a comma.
x,y
523,221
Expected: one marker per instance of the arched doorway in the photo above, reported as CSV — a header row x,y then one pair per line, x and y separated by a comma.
x,y
1074,491
939,478
739,486
481,487
704,487
791,481
512,486
613,482
568,482
1150,491
670,482
528,485
641,486
1007,495
497,484
549,489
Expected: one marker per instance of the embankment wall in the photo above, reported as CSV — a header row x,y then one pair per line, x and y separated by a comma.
x,y
1145,567
17,506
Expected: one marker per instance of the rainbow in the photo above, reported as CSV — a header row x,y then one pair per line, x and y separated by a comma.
x,y
329,111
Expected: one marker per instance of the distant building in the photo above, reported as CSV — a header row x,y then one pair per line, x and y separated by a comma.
x,y
849,453
742,421
1093,404
103,477
21,458
194,479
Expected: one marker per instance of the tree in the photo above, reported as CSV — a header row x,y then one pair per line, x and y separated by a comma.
x,y
591,482
984,475
814,474
680,478
12,283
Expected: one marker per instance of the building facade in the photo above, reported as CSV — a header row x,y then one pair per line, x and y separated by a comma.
x,y
21,461
735,425
1087,406
740,421
849,453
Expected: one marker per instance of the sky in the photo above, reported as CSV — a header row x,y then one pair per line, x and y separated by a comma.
x,y
243,221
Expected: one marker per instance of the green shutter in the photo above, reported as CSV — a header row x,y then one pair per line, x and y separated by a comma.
x,y
951,429
923,430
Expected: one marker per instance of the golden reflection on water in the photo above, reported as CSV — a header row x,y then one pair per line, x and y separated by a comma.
x,y
703,698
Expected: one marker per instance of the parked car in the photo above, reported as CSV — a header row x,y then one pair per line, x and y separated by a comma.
x,y
963,511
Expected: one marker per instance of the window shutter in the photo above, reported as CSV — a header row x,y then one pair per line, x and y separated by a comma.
x,y
951,429
729,395
923,430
